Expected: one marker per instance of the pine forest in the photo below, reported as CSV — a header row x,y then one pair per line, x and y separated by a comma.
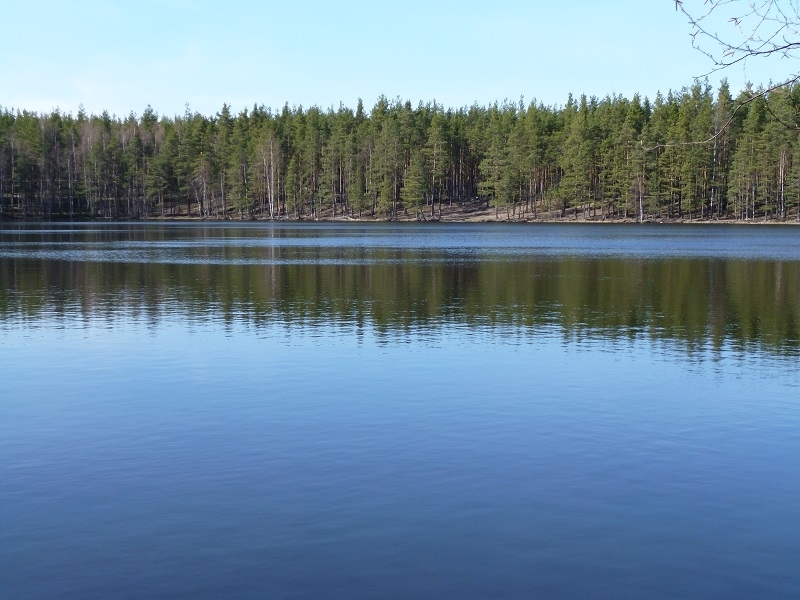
x,y
696,154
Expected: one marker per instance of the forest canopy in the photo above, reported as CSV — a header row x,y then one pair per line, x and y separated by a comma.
x,y
592,158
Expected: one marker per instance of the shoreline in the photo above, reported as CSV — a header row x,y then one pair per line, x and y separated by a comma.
x,y
467,212
449,215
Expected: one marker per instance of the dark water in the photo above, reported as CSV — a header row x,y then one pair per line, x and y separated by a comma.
x,y
399,411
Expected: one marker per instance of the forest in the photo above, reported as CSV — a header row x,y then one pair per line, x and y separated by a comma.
x,y
694,154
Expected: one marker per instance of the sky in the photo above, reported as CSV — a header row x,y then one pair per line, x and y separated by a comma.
x,y
123,56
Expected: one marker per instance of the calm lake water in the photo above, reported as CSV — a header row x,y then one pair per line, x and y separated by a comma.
x,y
399,411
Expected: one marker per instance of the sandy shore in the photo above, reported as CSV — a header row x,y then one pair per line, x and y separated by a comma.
x,y
473,213
465,213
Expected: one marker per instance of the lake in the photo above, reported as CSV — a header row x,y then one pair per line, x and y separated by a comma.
x,y
293,410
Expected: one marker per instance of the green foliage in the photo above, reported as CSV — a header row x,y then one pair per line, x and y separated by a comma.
x,y
413,193
596,158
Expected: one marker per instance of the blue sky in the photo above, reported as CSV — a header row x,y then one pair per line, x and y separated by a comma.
x,y
122,56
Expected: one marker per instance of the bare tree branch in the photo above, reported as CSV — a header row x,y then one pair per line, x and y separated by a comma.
x,y
755,29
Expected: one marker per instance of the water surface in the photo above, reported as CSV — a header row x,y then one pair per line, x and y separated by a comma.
x,y
389,410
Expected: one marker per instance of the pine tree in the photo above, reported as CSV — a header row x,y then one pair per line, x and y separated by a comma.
x,y
413,192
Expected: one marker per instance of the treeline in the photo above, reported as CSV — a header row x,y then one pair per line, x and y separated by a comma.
x,y
592,158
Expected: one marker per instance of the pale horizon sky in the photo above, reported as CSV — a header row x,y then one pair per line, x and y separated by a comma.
x,y
122,56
